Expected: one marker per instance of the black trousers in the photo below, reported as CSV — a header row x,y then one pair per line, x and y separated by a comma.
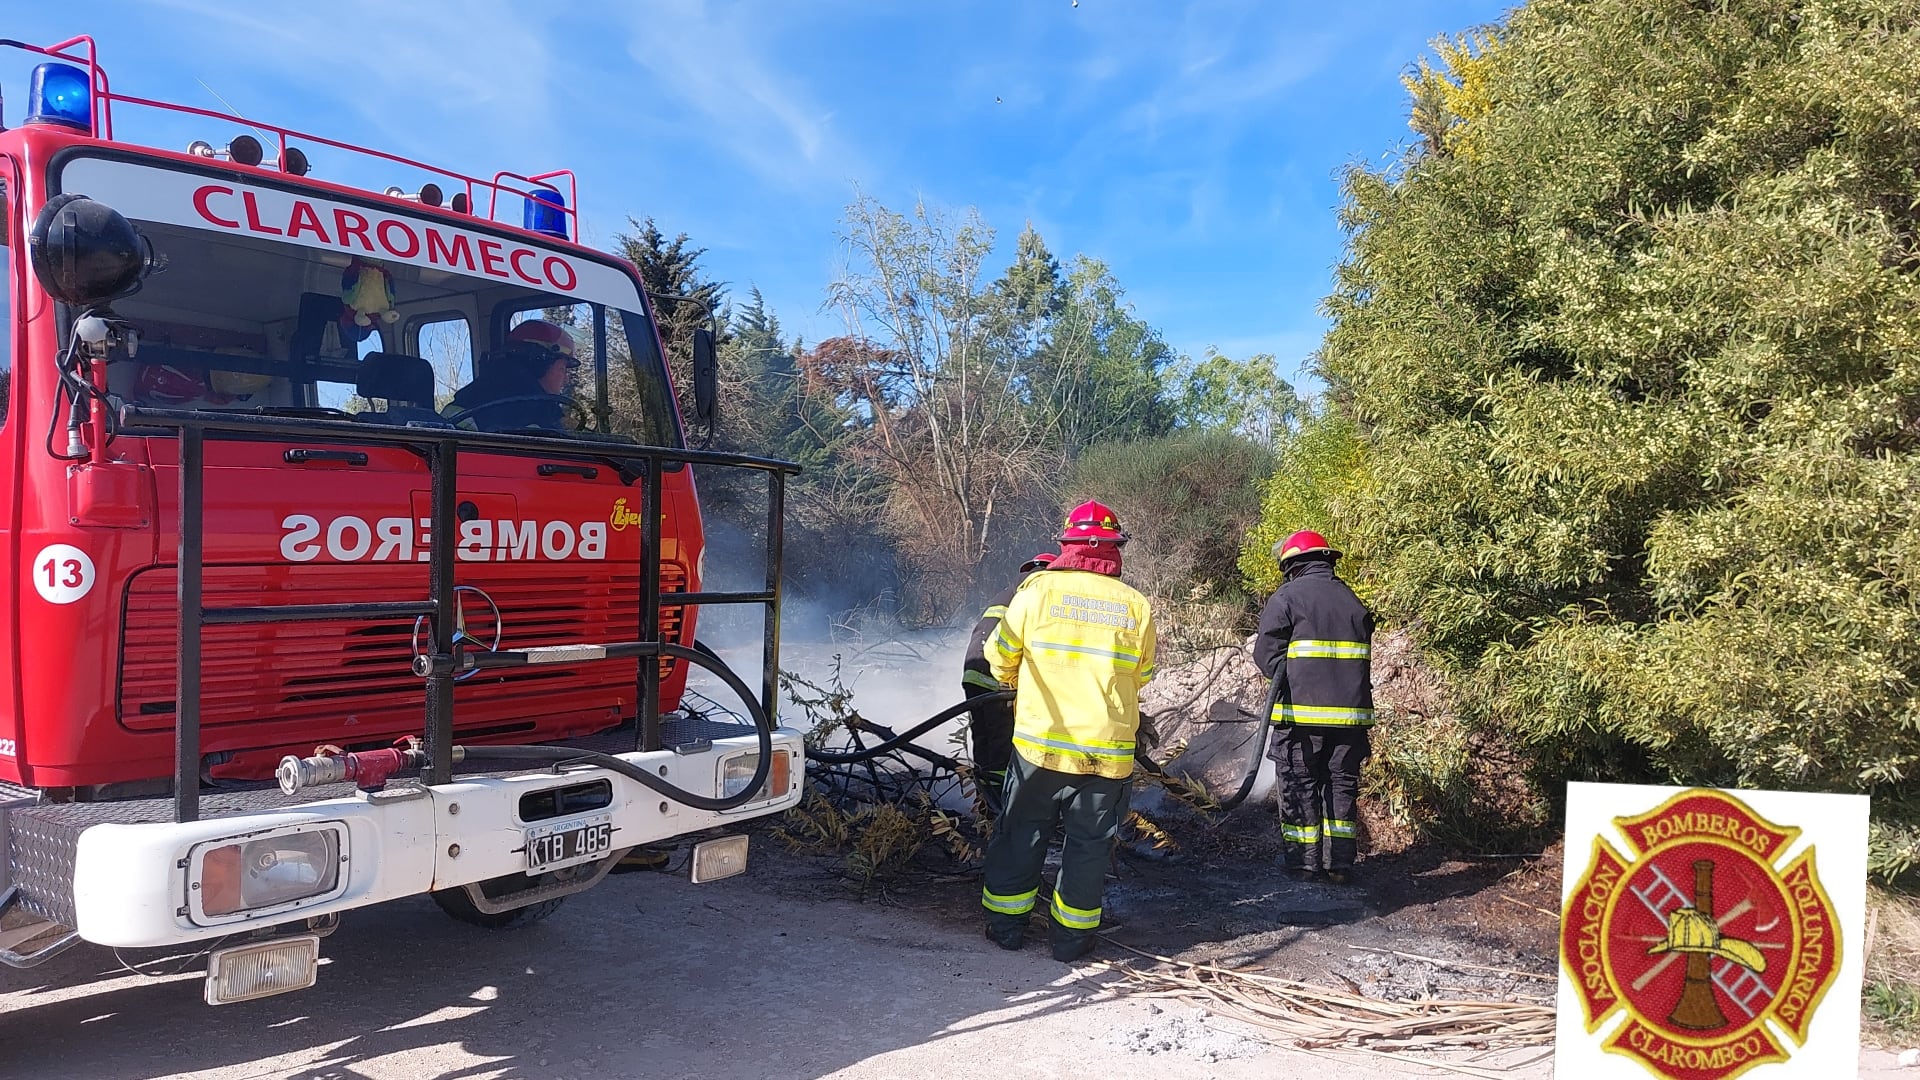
x,y
1319,773
1038,800
990,735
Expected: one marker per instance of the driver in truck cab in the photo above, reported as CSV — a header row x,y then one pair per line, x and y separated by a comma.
x,y
524,385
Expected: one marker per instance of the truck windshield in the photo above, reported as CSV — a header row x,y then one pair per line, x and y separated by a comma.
x,y
245,317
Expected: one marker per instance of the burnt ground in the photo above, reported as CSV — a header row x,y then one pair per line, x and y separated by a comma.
x,y
1217,894
1414,923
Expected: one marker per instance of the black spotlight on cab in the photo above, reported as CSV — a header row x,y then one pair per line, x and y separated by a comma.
x,y
243,150
295,161
85,253
459,203
428,195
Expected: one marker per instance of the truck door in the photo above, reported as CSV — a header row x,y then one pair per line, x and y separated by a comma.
x,y
12,342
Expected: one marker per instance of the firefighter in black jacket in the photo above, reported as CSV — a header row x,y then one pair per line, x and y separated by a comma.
x,y
1323,634
991,731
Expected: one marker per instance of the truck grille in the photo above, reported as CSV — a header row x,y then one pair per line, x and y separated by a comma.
x,y
334,674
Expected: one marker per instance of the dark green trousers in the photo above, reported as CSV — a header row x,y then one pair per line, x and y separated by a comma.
x,y
1038,800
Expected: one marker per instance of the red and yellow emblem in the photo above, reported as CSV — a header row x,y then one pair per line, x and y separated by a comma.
x,y
1709,946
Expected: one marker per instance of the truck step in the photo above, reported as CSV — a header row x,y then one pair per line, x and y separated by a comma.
x,y
27,939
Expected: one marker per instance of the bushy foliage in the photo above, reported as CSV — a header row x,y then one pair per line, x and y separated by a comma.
x,y
1320,470
1187,499
1632,347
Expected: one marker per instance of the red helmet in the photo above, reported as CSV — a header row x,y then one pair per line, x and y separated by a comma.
x,y
546,335
1092,523
164,384
1304,542
1039,562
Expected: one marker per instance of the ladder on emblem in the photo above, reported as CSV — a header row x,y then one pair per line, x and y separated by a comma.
x,y
1741,986
1661,896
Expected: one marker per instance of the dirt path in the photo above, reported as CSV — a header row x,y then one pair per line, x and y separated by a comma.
x,y
774,975
761,977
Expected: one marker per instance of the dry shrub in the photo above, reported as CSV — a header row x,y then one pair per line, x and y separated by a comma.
x,y
1890,1003
880,821
881,842
1187,500
1431,774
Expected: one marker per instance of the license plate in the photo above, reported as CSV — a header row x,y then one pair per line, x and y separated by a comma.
x,y
568,842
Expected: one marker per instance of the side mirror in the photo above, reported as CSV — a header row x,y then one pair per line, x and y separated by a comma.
x,y
706,378
85,254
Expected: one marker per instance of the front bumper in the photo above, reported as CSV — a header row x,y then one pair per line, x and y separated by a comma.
x,y
133,884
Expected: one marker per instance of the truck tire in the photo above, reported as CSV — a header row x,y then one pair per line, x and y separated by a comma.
x,y
457,903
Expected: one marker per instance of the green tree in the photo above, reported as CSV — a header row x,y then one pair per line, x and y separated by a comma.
x,y
1101,367
684,298
1247,397
1319,474
1031,294
770,412
1632,349
940,407
972,398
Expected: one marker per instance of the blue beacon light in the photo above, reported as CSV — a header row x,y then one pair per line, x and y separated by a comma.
x,y
545,213
60,94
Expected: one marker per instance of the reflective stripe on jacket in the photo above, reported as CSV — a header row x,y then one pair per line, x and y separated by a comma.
x,y
1077,646
1320,630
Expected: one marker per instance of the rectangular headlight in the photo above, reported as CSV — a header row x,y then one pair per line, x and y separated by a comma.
x,y
248,972
737,770
233,879
720,858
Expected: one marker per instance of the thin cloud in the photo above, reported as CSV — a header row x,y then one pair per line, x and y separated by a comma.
x,y
715,67
483,70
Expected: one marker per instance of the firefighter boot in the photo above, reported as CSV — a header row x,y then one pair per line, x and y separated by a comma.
x,y
1069,951
1006,932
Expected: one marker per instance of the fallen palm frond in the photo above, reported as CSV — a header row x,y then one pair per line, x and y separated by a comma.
x,y
1460,965
1310,1017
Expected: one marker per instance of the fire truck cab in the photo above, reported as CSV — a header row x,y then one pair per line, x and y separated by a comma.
x,y
291,629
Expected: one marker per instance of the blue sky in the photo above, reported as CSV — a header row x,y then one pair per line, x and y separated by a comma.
x,y
1193,147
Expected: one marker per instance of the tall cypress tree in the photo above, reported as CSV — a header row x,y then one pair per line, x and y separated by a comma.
x,y
683,298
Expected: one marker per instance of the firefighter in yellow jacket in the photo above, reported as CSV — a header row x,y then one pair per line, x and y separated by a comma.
x,y
1076,645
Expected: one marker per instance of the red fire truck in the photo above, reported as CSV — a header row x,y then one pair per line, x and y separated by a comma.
x,y
285,639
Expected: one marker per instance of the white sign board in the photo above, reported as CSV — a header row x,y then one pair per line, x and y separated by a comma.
x,y
309,219
1705,933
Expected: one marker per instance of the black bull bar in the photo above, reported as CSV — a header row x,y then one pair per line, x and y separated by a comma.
x,y
447,656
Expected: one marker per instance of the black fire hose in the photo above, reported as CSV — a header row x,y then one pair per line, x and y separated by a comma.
x,y
568,755
855,757
1275,688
